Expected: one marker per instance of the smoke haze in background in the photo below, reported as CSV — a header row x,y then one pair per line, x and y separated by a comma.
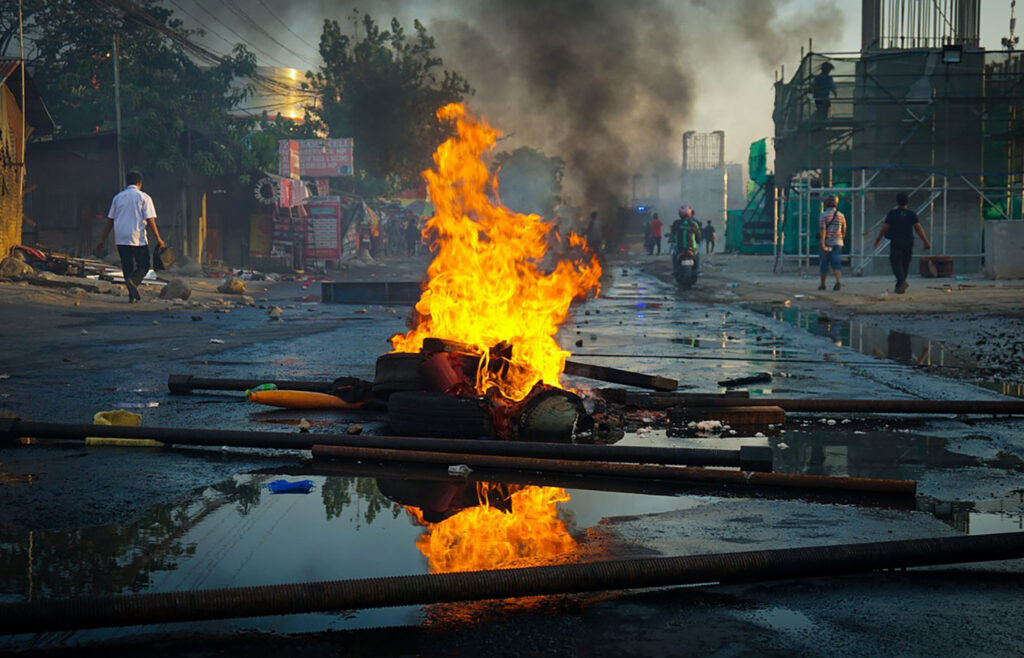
x,y
609,86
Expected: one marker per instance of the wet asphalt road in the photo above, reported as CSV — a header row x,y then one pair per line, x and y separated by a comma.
x,y
81,521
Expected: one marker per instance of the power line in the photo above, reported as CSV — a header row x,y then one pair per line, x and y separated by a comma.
x,y
204,53
199,22
241,39
270,11
230,4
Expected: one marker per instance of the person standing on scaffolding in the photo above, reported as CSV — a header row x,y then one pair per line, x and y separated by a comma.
x,y
831,231
823,88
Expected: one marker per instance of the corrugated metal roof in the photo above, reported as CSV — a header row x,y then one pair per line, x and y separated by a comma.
x,y
7,67
37,115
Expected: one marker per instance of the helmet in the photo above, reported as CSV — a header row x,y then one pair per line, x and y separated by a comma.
x,y
685,211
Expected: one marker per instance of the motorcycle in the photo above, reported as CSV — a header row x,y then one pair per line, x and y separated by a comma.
x,y
684,268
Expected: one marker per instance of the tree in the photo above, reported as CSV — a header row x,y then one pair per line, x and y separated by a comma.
x,y
529,181
175,106
383,91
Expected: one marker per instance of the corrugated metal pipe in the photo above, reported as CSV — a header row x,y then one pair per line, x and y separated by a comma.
x,y
750,566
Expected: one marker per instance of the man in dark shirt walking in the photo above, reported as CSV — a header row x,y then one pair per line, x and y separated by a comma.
x,y
900,225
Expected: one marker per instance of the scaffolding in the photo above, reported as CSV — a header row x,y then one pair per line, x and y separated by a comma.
x,y
938,123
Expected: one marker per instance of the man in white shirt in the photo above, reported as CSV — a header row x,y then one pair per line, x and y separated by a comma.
x,y
131,211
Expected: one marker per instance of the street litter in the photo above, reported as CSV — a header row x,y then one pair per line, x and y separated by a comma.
x,y
710,426
284,486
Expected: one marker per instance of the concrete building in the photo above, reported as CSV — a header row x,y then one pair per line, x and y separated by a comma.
x,y
921,109
704,180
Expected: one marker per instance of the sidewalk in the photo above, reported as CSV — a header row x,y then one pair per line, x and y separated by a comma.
x,y
733,277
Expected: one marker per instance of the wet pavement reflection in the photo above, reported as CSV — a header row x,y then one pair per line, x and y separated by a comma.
x,y
371,521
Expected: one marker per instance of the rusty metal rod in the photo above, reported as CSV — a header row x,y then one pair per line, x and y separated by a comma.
x,y
755,458
705,475
300,598
996,407
183,384
616,484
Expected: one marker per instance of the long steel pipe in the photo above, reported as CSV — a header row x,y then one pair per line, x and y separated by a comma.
x,y
181,384
616,484
703,475
749,566
748,457
996,407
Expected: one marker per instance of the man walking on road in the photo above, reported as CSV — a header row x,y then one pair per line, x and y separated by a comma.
x,y
708,231
131,211
900,225
655,228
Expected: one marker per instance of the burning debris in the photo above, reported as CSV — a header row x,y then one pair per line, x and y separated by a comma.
x,y
485,286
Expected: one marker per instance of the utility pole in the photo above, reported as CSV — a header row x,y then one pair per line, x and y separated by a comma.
x,y
117,116
24,122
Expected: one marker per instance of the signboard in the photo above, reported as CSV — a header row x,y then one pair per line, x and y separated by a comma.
x,y
260,231
323,234
289,158
323,158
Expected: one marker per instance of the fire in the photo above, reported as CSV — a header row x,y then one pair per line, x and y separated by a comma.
x,y
484,537
485,285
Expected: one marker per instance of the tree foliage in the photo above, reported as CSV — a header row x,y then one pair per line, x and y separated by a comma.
x,y
529,181
383,90
175,110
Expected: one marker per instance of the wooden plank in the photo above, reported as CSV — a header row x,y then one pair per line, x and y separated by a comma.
x,y
624,377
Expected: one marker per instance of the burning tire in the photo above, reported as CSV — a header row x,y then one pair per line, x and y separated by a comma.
x,y
398,372
439,415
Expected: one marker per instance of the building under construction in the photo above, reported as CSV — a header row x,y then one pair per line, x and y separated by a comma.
x,y
920,109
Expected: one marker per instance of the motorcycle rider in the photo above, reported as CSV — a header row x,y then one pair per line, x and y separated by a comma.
x,y
686,236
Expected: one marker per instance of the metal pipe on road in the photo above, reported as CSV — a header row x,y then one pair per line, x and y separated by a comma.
x,y
301,598
184,384
615,484
994,407
751,458
698,475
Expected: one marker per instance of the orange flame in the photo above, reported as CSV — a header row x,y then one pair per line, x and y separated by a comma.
x,y
484,537
485,285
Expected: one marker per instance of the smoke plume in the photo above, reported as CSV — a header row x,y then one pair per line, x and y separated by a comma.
x,y
609,86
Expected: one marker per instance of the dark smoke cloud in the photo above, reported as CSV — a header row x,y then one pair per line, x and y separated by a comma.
x,y
611,86
608,85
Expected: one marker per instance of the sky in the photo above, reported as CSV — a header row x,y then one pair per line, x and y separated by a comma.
x,y
608,85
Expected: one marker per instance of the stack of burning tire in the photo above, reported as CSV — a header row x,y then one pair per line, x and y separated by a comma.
x,y
433,393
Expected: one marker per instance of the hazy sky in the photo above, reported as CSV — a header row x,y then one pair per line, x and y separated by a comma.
x,y
724,53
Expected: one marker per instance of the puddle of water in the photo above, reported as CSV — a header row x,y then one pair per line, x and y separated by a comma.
x,y
884,343
238,534
867,454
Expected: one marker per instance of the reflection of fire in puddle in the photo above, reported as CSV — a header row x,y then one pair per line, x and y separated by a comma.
x,y
487,537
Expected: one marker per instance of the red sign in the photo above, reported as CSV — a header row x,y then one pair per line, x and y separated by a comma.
x,y
324,158
289,162
323,235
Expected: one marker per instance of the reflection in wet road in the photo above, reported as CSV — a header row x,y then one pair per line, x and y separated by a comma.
x,y
233,532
